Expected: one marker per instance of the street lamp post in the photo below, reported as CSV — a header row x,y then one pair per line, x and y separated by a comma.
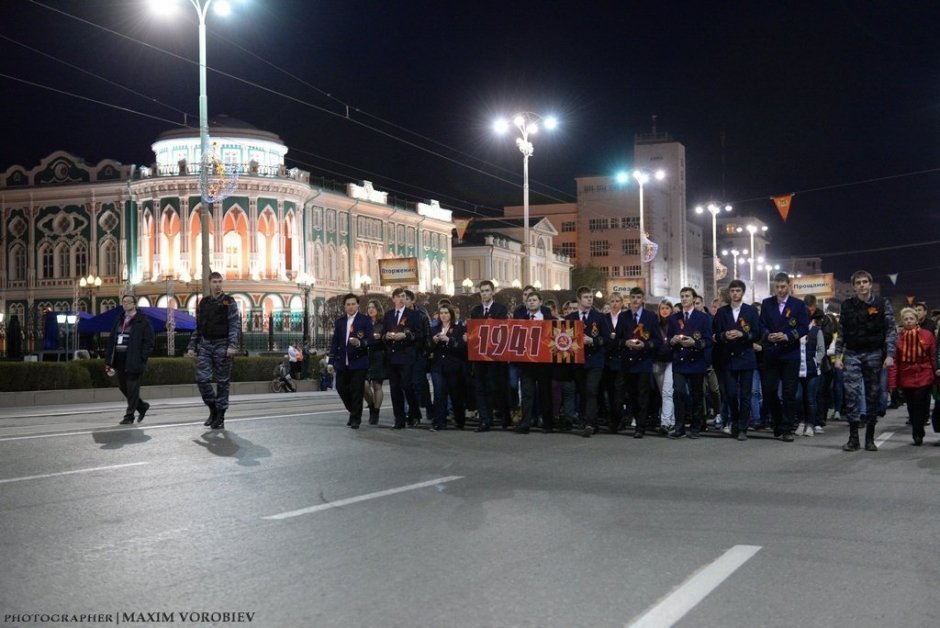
x,y
305,283
770,268
752,229
467,284
714,209
365,281
170,317
528,124
436,283
222,7
91,283
642,177
734,256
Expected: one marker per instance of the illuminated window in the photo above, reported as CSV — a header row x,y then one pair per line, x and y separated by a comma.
x,y
600,248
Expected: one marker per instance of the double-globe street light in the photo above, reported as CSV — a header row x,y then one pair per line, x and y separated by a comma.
x,y
528,124
752,229
714,209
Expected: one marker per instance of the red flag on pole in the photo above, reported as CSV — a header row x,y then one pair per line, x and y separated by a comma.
x,y
783,204
461,224
910,299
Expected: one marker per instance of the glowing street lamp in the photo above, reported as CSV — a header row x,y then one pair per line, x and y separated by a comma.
x,y
714,209
222,8
467,284
752,229
647,247
528,124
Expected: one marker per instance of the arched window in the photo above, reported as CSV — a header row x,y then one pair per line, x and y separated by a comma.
x,y
108,258
232,244
46,261
18,263
80,251
62,261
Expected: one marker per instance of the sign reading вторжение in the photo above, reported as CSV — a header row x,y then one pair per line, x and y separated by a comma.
x,y
823,286
398,271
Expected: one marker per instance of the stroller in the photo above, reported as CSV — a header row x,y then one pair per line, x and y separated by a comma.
x,y
282,381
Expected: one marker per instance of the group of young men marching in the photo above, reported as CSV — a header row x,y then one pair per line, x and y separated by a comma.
x,y
621,351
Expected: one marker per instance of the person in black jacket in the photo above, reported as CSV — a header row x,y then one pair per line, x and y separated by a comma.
x,y
490,377
129,347
446,365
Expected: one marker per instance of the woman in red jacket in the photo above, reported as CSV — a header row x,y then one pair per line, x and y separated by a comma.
x,y
914,370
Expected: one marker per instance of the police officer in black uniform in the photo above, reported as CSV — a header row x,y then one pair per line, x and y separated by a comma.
x,y
216,339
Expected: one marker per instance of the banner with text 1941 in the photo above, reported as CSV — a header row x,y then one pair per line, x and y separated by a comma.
x,y
512,340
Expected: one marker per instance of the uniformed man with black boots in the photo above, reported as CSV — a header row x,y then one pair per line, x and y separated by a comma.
x,y
216,340
865,346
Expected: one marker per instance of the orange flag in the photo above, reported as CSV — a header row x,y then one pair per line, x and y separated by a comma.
x,y
910,299
461,224
783,204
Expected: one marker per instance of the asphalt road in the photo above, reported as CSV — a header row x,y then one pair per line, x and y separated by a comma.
x,y
293,519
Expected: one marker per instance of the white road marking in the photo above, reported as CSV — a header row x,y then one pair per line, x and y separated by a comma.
x,y
54,475
881,440
361,498
162,426
674,606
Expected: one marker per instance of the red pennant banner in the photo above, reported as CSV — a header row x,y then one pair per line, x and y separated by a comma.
x,y
910,299
783,204
461,224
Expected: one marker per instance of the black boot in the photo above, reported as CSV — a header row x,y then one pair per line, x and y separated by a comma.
x,y
373,416
852,445
219,422
212,413
870,438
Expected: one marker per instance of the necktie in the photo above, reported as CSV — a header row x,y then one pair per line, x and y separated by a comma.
x,y
397,316
687,316
584,316
486,311
637,318
531,317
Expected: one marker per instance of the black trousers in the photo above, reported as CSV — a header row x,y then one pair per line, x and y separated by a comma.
x,y
536,382
129,383
738,387
588,381
918,408
401,383
775,372
638,397
350,384
492,391
612,385
686,386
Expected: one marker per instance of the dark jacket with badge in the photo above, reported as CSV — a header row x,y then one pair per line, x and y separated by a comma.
x,y
690,360
404,351
638,360
737,354
448,357
599,330
344,355
792,321
139,342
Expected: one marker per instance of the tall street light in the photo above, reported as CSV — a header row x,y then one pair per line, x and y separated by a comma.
x,y
91,283
714,209
222,7
647,250
752,229
305,282
528,124
734,256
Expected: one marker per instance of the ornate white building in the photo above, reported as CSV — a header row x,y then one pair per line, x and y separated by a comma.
x,y
139,229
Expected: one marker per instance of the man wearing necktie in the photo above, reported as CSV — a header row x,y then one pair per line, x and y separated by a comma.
x,y
402,334
783,321
689,334
588,376
490,377
349,357
640,343
536,378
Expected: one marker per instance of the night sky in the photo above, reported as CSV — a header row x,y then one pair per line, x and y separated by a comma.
x,y
836,101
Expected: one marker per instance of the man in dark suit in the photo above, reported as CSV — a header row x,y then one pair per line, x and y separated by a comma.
x,y
690,335
490,377
588,376
783,320
536,378
403,333
349,357
736,328
640,342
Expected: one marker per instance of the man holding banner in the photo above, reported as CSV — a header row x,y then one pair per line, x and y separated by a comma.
x,y
588,378
490,377
403,333
536,377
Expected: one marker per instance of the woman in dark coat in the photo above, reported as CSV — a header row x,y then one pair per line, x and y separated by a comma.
x,y
446,365
378,363
129,347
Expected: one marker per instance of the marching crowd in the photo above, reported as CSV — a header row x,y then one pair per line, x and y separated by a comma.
x,y
678,370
